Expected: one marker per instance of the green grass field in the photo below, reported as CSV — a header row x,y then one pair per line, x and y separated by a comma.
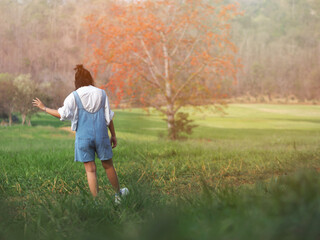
x,y
252,173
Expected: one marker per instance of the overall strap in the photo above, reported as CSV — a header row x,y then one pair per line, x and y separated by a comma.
x,y
104,97
77,98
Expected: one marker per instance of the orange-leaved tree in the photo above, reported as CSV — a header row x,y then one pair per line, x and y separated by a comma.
x,y
166,53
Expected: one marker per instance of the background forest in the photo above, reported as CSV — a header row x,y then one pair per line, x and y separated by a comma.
x,y
278,43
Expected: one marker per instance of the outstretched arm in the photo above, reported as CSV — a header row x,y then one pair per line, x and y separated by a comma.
x,y
113,139
37,103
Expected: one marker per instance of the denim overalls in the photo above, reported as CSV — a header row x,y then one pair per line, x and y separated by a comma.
x,y
92,133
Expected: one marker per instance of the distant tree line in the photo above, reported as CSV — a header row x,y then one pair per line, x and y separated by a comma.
x,y
15,96
279,44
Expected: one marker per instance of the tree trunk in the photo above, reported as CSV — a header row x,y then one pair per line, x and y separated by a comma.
x,y
10,118
169,97
170,118
23,116
170,112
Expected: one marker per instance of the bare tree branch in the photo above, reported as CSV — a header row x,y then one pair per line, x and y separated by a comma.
x,y
150,58
166,57
186,58
178,42
149,81
140,57
150,69
191,50
187,82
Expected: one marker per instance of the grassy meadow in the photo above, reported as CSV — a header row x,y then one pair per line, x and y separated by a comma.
x,y
252,173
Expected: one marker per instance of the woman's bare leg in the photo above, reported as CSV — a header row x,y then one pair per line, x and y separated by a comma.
x,y
111,173
91,171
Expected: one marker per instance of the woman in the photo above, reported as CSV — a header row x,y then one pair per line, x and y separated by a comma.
x,y
90,115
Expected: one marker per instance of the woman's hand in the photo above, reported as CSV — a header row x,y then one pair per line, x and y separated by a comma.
x,y
113,142
37,103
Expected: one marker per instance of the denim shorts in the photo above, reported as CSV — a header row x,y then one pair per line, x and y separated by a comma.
x,y
85,149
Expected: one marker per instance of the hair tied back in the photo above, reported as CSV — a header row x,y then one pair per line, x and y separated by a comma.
x,y
78,67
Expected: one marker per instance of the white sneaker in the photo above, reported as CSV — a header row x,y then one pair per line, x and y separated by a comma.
x,y
123,192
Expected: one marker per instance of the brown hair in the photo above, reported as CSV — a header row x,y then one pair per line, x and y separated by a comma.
x,y
82,77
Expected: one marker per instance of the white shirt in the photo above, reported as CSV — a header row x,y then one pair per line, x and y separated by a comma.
x,y
91,98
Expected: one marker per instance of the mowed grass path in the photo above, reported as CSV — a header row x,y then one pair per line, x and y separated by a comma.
x,y
46,194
